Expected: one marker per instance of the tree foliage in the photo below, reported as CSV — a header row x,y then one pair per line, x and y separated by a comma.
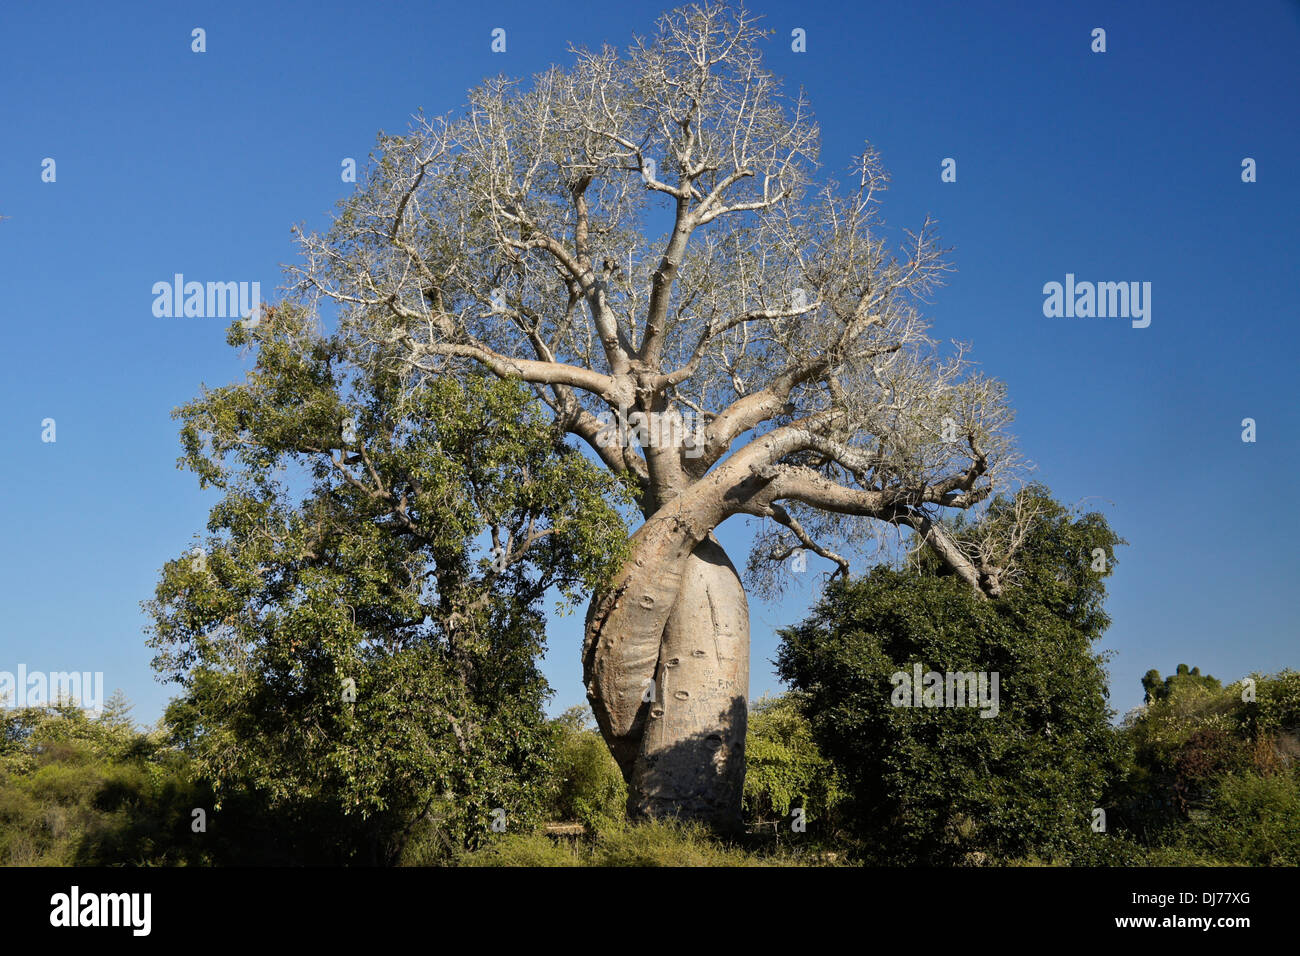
x,y
647,231
357,637
946,784
786,771
1182,677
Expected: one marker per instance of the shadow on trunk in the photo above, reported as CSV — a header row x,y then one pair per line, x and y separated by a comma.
x,y
699,777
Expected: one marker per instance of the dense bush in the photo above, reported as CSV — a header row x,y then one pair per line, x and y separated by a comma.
x,y
785,772
1215,775
588,786
1251,820
942,784
77,790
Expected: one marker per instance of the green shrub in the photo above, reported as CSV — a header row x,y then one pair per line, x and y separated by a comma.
x,y
76,790
588,786
785,770
1251,821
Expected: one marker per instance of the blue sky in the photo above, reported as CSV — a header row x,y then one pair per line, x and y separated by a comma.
x,y
1115,166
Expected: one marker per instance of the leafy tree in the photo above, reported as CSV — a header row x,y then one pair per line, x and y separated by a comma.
x,y
948,784
353,655
1155,690
786,771
643,238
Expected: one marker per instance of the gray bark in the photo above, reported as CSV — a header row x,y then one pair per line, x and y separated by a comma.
x,y
675,615
792,323
691,759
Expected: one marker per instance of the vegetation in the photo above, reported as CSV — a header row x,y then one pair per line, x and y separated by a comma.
x,y
788,778
651,843
76,790
356,647
1214,774
944,784
1201,778
1155,690
357,640
443,755
588,786
352,694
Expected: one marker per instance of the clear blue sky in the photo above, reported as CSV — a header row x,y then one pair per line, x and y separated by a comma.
x,y
1122,166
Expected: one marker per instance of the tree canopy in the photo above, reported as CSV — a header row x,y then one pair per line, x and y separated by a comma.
x,y
649,233
949,782
359,634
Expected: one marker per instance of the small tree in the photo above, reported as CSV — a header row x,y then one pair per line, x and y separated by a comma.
x,y
357,640
938,783
787,776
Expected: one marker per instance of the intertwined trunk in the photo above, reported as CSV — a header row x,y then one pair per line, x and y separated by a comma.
x,y
692,755
789,335
666,663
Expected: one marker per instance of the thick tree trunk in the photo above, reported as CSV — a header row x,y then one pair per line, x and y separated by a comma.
x,y
691,762
677,615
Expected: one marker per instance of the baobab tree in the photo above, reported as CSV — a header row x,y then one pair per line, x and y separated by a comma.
x,y
643,239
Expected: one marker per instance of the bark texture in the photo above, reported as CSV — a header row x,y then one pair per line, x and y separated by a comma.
x,y
667,669
691,761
